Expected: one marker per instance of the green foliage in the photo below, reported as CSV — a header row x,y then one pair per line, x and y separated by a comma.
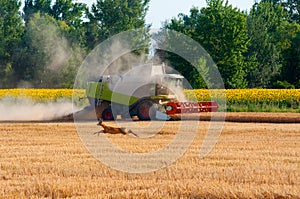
x,y
62,10
48,59
292,6
290,45
284,85
264,21
11,30
191,73
57,38
33,6
109,17
71,14
262,107
221,30
256,49
53,45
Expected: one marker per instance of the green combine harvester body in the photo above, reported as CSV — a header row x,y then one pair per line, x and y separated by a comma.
x,y
141,92
94,88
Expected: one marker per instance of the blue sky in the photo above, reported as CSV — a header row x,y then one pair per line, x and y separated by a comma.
x,y
161,10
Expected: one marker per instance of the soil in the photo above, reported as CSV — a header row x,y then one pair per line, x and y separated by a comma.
x,y
88,114
257,117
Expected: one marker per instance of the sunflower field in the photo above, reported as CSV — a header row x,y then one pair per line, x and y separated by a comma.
x,y
40,95
252,100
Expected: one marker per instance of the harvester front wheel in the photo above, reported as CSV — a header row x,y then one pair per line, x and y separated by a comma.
x,y
146,110
107,114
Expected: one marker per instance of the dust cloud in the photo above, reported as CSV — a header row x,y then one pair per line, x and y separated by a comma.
x,y
58,60
13,109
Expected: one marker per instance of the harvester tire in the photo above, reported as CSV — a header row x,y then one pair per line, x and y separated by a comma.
x,y
99,109
146,110
107,114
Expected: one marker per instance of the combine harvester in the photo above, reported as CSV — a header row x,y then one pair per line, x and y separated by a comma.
x,y
147,92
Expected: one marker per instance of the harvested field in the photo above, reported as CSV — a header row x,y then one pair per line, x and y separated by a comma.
x,y
250,160
257,117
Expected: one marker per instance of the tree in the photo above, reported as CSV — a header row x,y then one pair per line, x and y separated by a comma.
x,y
47,58
294,10
54,39
114,16
221,30
11,30
33,6
264,21
292,6
72,14
63,10
60,26
290,45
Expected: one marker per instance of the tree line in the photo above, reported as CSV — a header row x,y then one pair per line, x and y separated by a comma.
x,y
43,42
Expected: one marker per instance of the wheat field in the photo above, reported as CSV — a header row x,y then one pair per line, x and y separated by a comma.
x,y
250,160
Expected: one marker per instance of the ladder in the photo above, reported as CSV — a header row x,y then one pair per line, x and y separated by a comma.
x,y
99,100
